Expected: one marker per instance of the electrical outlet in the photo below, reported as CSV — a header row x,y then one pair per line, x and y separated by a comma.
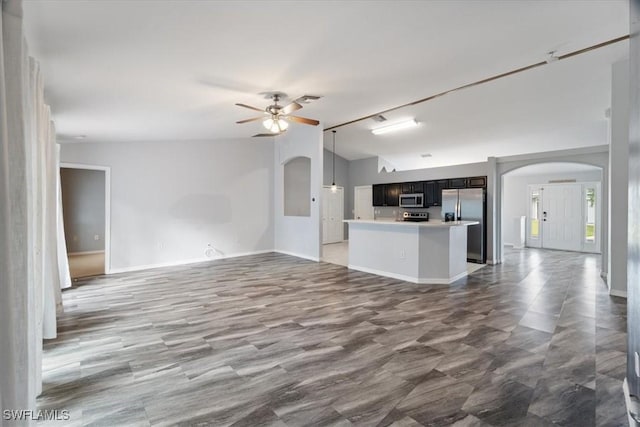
x,y
637,363
96,237
403,254
75,238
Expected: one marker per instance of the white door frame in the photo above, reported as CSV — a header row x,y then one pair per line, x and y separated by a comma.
x,y
530,241
594,247
107,207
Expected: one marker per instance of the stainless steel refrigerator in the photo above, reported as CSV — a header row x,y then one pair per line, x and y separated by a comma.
x,y
469,204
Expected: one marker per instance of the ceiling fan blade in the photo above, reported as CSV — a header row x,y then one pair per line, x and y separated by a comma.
x,y
288,109
306,99
267,134
249,120
250,107
303,120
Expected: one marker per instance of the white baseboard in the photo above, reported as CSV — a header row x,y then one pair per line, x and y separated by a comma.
x,y
85,253
493,262
632,404
310,258
422,281
617,293
184,262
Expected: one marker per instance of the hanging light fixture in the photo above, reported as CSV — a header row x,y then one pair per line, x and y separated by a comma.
x,y
275,124
334,187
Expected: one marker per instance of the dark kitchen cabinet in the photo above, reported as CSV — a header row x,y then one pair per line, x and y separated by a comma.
x,y
429,193
378,194
386,194
412,187
477,182
458,183
392,194
442,184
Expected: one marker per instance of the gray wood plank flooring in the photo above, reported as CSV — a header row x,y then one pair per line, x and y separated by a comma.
x,y
275,340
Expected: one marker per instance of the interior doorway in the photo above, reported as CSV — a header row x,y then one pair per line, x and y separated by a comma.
x,y
332,214
85,209
363,202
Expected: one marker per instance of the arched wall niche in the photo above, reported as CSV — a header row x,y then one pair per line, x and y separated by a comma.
x,y
297,186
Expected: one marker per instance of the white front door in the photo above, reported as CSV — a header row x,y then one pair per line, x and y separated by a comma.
x,y
332,215
363,202
562,217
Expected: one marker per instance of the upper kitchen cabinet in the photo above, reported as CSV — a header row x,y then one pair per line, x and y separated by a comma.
x,y
477,182
430,193
378,194
386,194
440,185
392,194
412,187
458,183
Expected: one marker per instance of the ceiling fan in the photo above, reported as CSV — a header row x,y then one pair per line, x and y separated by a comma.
x,y
278,115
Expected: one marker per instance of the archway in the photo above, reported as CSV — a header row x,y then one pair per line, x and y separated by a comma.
x,y
520,198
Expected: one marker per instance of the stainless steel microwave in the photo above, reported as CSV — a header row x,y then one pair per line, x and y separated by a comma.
x,y
415,200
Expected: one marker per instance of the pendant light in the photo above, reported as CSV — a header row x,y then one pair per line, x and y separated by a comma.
x,y
334,187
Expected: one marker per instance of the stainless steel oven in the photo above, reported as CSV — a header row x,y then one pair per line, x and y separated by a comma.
x,y
415,200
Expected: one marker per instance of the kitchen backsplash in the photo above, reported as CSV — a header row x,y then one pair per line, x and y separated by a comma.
x,y
394,212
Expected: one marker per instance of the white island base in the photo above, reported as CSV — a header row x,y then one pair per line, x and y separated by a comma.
x,y
419,252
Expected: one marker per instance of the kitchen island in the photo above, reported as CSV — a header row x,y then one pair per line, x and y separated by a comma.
x,y
418,252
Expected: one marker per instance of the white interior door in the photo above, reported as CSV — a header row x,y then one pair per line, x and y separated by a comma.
x,y
332,215
562,217
363,202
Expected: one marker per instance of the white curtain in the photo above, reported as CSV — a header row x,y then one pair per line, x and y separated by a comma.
x,y
33,262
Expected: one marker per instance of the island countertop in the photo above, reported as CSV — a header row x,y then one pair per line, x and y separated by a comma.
x,y
419,252
432,223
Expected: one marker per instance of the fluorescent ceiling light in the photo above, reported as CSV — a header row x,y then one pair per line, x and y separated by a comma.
x,y
394,127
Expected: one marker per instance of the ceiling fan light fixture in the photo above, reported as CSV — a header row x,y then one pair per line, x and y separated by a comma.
x,y
394,127
275,125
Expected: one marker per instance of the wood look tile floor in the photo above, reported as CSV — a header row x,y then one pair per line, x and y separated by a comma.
x,y
276,340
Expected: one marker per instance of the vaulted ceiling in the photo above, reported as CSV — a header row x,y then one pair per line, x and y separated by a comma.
x,y
172,70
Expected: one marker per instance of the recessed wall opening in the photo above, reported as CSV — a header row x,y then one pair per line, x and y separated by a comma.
x,y
85,210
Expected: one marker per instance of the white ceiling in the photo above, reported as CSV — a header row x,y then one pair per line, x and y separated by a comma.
x,y
172,70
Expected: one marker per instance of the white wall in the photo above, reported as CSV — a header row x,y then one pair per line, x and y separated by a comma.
x,y
515,197
619,178
298,235
170,199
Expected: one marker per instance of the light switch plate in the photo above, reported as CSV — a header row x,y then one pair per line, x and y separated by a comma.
x,y
637,363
